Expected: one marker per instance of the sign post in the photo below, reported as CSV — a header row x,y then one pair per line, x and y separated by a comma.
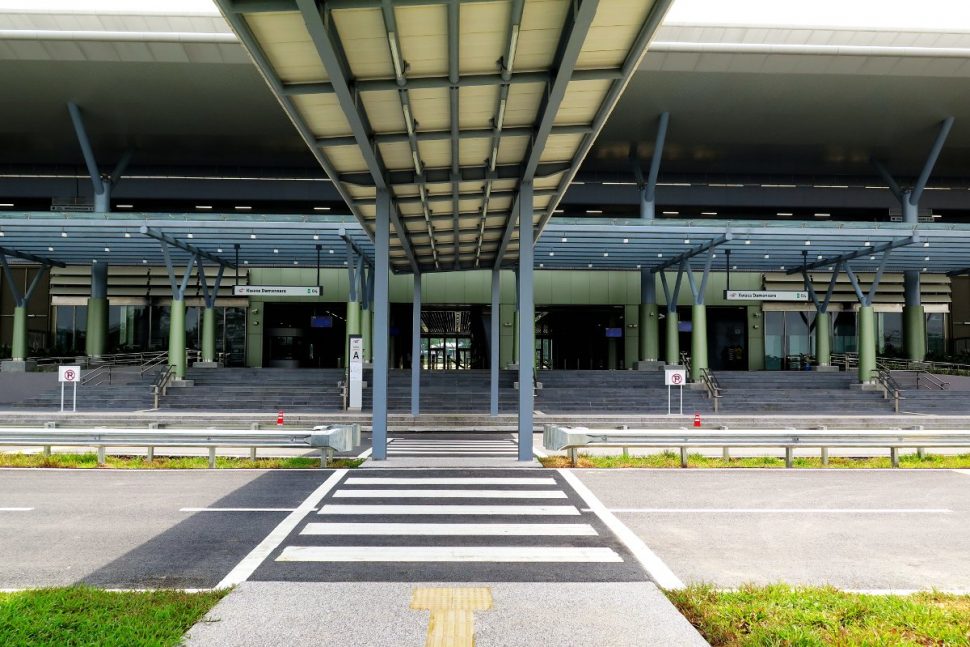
x,y
72,375
356,378
675,377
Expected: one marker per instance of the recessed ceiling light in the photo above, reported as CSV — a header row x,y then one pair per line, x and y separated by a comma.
x,y
767,256
552,253
6,204
316,236
594,211
276,251
671,213
203,206
926,244
243,208
626,240
107,249
50,249
785,214
321,208
252,236
708,213
687,241
296,262
127,235
590,265
564,239
63,234
808,242
331,251
541,265
124,206
926,258
747,242
189,235
605,254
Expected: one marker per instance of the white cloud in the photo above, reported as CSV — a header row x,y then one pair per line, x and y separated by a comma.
x,y
953,15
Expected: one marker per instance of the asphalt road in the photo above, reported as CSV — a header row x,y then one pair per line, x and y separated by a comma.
x,y
865,529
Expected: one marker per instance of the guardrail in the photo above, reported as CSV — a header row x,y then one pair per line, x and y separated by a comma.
x,y
557,438
326,438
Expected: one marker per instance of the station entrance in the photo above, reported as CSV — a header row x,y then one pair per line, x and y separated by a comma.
x,y
454,339
304,335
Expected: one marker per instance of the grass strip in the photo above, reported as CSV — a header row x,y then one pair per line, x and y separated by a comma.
x,y
672,459
90,461
82,616
810,616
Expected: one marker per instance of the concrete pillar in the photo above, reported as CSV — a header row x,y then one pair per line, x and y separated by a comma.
x,y
867,343
176,338
698,341
673,337
18,345
914,318
209,334
96,337
823,338
649,320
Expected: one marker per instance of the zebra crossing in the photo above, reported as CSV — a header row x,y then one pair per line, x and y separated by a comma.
x,y
423,447
451,525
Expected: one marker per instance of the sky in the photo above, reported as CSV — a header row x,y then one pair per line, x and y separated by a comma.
x,y
879,14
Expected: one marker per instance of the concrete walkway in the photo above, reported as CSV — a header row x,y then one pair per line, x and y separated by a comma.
x,y
341,614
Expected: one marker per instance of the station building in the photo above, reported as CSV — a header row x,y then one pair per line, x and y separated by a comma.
x,y
154,166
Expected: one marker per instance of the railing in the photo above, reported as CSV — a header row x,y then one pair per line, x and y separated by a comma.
x,y
685,361
161,384
570,439
326,438
890,387
713,388
100,375
931,380
847,361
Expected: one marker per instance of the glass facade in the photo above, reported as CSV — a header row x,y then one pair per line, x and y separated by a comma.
x,y
889,334
789,339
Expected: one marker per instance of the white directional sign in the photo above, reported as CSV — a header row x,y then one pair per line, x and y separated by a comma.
x,y
675,377
765,295
68,373
356,372
275,291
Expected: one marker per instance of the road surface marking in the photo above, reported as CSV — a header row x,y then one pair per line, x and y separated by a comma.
x,y
655,567
237,509
453,529
783,510
525,510
15,509
451,494
452,620
447,554
258,555
449,481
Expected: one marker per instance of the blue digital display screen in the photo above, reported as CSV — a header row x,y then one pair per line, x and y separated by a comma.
x,y
322,321
614,332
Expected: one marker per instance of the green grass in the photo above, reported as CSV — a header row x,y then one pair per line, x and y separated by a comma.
x,y
672,459
784,615
81,616
90,461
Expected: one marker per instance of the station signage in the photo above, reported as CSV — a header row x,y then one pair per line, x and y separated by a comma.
x,y
765,295
275,291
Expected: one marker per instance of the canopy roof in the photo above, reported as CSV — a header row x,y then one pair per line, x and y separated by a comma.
x,y
448,105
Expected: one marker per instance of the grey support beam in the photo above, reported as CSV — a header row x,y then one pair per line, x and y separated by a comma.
x,y
934,154
20,299
381,324
445,175
453,31
866,251
416,347
352,245
526,323
40,260
443,82
686,256
446,135
496,333
101,191
165,239
648,186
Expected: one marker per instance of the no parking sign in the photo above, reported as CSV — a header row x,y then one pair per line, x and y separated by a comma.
x,y
69,375
675,377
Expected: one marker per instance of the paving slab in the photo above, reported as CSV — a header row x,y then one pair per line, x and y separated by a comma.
x,y
628,614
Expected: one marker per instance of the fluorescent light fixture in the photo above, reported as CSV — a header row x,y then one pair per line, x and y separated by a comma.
x,y
124,206
242,208
6,204
673,183
203,206
321,208
778,186
708,213
50,249
605,254
808,242
594,211
276,251
785,214
823,215
831,186
513,43
618,183
725,186
671,213
557,211
218,250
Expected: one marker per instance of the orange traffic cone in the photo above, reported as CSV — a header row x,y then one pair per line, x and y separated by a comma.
x,y
697,419
279,419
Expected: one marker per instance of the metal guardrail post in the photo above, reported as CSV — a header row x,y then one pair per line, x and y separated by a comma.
x,y
789,457
894,456
101,457
825,450
920,451
683,457
212,457
149,454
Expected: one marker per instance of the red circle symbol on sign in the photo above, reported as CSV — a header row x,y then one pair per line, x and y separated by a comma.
x,y
676,378
69,375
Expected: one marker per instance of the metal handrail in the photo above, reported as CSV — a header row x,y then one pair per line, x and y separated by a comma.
x,y
890,387
160,386
933,380
713,387
152,362
557,438
685,361
97,376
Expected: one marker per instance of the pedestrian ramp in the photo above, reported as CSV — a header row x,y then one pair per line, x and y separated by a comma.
x,y
451,526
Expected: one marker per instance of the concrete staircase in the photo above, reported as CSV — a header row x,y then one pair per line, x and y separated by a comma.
x,y
613,392
129,390
452,391
258,389
797,392
922,398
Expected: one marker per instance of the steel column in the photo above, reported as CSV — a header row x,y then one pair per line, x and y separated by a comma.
x,y
97,330
649,320
366,324
382,259
176,337
209,334
18,343
823,338
914,318
698,341
416,347
495,328
353,327
526,322
867,343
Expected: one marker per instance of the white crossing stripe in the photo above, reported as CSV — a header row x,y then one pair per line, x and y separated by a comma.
x,y
453,529
236,509
354,480
524,510
450,494
783,510
15,509
447,554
